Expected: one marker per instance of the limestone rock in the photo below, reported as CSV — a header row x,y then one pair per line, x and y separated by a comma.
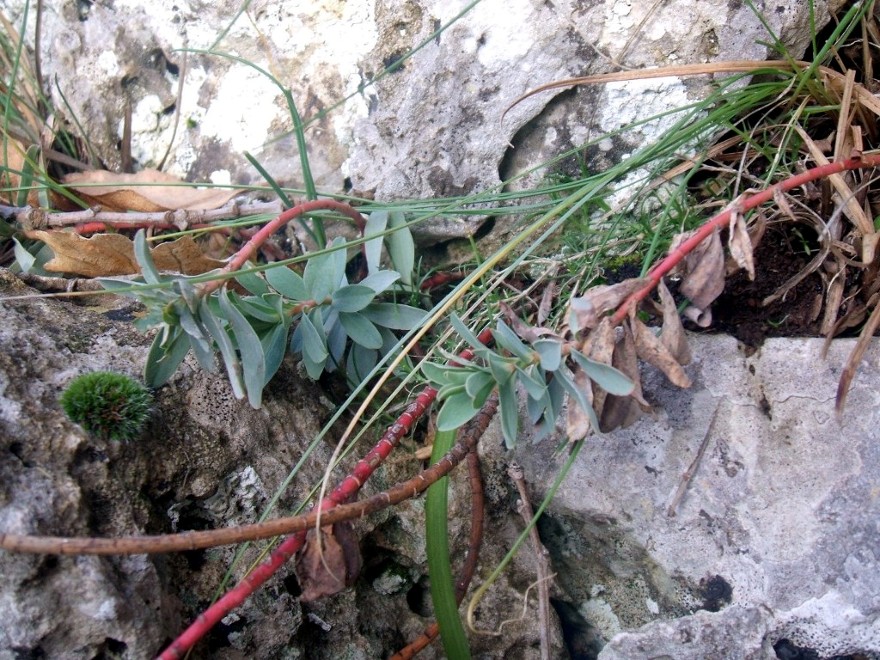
x,y
430,128
775,541
205,461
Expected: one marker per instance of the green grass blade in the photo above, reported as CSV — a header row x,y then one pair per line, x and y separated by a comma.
x,y
455,643
273,184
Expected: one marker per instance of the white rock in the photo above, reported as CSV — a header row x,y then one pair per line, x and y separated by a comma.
x,y
431,128
778,529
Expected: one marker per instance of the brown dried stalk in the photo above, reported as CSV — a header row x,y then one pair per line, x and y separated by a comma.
x,y
543,569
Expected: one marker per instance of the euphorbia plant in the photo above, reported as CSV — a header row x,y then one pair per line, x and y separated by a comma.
x,y
335,324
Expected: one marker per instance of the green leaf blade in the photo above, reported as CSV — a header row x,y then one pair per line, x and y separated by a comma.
x,y
353,298
286,282
605,376
253,362
361,330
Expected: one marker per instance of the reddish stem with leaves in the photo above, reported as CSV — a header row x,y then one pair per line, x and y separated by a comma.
x,y
292,544
249,249
740,206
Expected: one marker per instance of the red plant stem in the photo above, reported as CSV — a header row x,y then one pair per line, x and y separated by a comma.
x,y
439,279
292,544
741,206
249,249
95,227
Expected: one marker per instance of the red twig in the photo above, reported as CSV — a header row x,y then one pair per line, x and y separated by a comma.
x,y
673,259
249,249
439,279
292,544
96,227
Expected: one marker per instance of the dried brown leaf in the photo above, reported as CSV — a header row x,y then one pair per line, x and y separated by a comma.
x,y
869,246
602,343
522,329
108,255
700,317
650,349
833,299
546,304
621,411
740,244
703,280
672,334
585,312
102,255
148,191
184,256
329,567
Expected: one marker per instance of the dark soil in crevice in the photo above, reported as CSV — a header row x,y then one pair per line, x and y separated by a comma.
x,y
738,311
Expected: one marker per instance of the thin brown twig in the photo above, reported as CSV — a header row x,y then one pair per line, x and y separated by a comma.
x,y
134,545
29,217
517,474
688,475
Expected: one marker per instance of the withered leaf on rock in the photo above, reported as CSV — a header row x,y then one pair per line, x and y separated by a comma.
x,y
546,305
147,191
602,344
672,333
107,255
523,330
577,420
621,411
740,244
650,349
328,568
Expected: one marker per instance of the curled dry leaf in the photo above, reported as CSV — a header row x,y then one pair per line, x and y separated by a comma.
x,y
703,280
107,255
621,411
148,191
740,244
523,330
602,344
701,317
329,567
547,298
586,312
650,349
672,335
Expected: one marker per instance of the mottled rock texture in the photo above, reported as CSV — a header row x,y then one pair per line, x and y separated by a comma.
x,y
204,461
431,127
776,537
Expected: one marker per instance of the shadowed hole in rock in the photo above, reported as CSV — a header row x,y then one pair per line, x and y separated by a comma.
x,y
111,649
418,598
291,585
580,638
786,650
716,592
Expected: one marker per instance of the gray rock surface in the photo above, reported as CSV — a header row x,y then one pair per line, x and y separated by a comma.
x,y
431,128
777,535
205,461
